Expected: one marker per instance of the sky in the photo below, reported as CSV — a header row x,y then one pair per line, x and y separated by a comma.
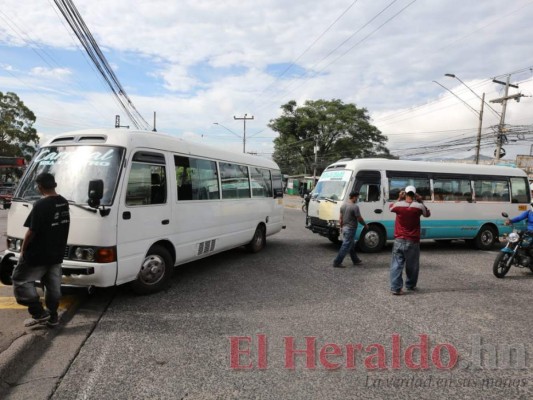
x,y
200,63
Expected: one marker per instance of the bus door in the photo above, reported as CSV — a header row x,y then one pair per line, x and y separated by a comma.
x,y
145,211
368,184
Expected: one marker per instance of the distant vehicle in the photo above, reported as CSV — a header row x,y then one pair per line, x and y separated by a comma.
x,y
6,192
464,199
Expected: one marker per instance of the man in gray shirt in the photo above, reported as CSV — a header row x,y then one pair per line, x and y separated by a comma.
x,y
348,219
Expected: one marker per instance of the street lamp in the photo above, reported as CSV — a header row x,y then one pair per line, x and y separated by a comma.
x,y
475,94
479,114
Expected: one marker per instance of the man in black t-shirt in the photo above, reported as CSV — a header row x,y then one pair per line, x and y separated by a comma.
x,y
42,253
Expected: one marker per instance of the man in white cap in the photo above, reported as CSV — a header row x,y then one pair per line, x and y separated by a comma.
x,y
406,249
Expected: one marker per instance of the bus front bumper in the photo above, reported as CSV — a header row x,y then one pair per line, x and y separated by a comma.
x,y
74,273
324,228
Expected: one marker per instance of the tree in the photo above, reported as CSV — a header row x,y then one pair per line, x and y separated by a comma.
x,y
18,138
340,130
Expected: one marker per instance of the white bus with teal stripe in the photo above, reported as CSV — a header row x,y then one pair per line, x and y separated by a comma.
x,y
466,201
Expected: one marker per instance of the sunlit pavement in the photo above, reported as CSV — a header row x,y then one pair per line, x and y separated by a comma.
x,y
12,315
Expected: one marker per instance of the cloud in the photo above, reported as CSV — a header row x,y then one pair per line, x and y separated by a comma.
x,y
196,62
51,73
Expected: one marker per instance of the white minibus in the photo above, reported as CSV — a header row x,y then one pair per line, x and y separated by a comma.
x,y
142,203
465,200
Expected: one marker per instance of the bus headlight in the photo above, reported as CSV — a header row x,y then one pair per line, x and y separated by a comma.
x,y
83,254
513,237
93,254
14,244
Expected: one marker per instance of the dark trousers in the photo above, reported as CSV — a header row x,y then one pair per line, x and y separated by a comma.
x,y
24,277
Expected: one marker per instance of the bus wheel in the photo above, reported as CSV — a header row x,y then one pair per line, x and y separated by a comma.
x,y
258,242
372,239
155,272
486,237
334,239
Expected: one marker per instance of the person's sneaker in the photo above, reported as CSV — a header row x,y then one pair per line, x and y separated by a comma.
x,y
53,320
397,292
37,320
358,262
339,266
412,289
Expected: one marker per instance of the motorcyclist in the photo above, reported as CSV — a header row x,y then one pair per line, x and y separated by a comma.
x,y
526,214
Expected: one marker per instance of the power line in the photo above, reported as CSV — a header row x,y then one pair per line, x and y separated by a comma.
x,y
310,46
285,90
82,32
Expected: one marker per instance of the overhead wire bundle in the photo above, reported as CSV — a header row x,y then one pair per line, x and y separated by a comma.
x,y
82,32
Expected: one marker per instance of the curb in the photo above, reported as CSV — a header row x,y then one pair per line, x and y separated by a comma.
x,y
13,363
10,356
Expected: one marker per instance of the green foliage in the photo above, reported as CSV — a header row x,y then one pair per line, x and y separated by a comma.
x,y
18,138
341,131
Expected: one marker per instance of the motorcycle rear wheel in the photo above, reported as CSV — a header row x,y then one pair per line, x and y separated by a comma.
x,y
500,267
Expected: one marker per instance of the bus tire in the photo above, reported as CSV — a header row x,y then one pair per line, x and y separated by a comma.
x,y
258,241
334,239
372,239
486,237
155,273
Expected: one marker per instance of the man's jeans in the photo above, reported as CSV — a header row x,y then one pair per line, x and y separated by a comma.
x,y
348,246
24,277
408,253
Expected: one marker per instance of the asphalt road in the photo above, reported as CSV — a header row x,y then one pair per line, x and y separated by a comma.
x,y
225,327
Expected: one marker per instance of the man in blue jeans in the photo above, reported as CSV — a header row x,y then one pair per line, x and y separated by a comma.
x,y
348,219
42,253
406,249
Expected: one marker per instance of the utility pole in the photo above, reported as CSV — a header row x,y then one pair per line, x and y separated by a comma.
x,y
503,100
244,135
478,146
154,130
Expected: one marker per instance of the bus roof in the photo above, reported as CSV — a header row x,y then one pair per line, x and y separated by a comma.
x,y
425,166
156,141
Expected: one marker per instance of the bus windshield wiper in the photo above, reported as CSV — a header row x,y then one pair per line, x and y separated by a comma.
x,y
28,198
326,199
86,208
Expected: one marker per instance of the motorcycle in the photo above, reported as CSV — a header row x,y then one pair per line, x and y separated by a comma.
x,y
517,252
305,202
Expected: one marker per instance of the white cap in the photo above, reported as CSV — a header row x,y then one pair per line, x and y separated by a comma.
x,y
410,189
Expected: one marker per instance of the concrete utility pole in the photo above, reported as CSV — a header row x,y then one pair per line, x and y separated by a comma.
x,y
244,135
478,146
503,100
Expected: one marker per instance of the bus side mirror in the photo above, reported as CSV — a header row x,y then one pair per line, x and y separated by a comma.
x,y
278,193
96,192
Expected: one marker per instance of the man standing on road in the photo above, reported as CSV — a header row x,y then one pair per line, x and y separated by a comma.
x,y
406,249
42,253
348,219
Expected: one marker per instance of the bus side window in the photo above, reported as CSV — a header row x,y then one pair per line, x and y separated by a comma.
x,y
520,190
373,192
158,191
146,185
183,178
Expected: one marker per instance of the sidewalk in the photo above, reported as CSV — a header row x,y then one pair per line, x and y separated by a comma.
x,y
16,340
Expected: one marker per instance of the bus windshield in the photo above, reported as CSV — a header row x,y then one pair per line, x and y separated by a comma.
x,y
73,167
332,184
